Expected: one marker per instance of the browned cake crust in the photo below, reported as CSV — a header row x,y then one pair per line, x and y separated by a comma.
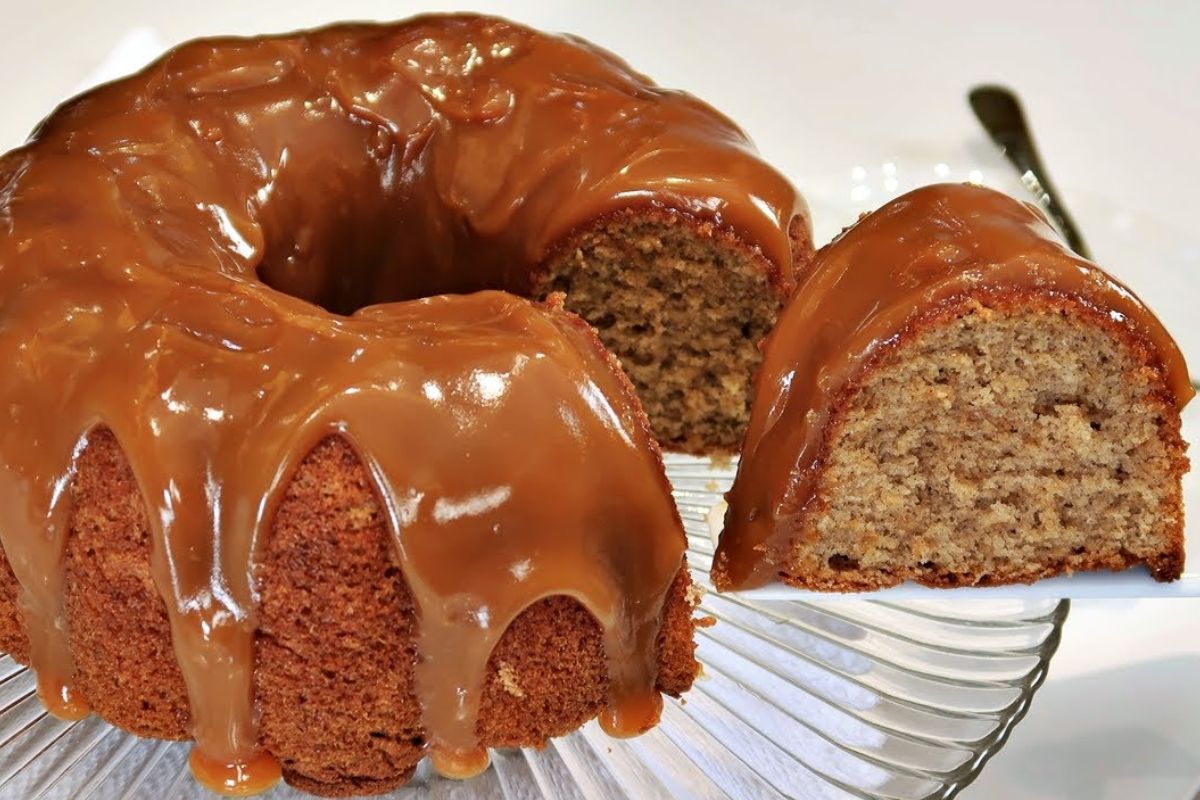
x,y
12,631
862,531
337,624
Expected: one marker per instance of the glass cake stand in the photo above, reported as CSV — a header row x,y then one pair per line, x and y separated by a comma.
x,y
836,699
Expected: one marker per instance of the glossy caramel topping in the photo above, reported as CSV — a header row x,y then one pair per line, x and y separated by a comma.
x,y
631,715
61,700
460,764
143,228
931,246
241,778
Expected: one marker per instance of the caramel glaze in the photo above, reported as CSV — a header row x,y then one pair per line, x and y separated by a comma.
x,y
926,250
142,229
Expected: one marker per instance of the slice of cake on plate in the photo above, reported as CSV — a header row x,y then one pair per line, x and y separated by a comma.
x,y
953,397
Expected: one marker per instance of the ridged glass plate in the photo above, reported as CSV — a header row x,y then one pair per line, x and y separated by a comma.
x,y
842,699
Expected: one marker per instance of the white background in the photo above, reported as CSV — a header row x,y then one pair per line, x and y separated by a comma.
x,y
1113,94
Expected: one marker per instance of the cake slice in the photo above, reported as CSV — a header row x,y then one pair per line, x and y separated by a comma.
x,y
953,397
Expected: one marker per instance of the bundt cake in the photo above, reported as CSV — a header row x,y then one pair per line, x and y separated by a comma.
x,y
267,485
953,397
265,607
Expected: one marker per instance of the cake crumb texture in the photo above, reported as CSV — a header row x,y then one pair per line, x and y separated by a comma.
x,y
1002,442
683,304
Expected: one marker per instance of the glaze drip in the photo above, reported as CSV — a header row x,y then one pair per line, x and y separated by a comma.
x,y
163,241
924,249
